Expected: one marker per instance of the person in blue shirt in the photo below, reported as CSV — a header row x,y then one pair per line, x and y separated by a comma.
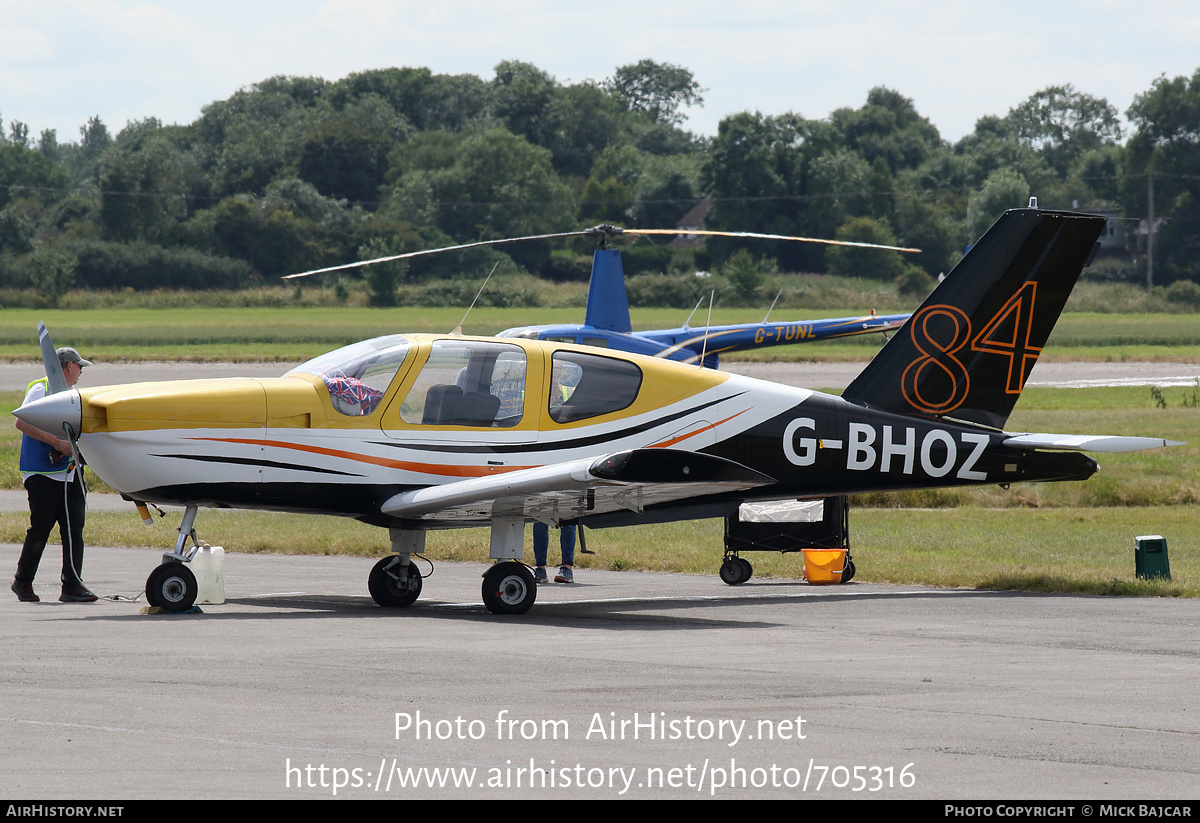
x,y
56,496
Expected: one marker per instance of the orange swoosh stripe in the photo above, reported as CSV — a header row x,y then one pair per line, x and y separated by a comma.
x,y
666,443
423,468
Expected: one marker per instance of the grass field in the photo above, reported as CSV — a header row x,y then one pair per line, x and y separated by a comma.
x,y
299,333
1069,549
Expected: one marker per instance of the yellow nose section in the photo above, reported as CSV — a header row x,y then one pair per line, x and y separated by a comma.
x,y
181,404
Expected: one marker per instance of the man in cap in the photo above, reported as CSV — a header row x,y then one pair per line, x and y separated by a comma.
x,y
56,495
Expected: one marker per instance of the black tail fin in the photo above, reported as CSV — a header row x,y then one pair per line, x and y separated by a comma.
x,y
967,352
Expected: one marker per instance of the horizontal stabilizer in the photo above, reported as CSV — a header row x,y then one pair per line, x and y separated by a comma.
x,y
1087,443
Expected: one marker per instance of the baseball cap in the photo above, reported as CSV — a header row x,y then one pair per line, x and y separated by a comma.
x,y
68,355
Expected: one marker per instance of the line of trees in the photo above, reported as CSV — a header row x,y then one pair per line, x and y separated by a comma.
x,y
295,173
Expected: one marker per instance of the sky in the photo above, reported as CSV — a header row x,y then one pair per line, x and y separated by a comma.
x,y
63,61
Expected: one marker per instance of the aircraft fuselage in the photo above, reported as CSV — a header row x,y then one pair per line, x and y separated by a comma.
x,y
284,445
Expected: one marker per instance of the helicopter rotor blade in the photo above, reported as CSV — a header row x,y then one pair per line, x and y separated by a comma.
x,y
603,232
757,235
423,252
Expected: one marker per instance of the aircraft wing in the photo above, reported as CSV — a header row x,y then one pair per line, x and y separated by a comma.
x,y
1087,443
625,480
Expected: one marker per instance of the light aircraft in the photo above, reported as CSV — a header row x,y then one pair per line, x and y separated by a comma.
x,y
421,432
606,321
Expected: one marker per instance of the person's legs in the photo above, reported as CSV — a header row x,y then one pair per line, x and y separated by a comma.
x,y
541,546
45,507
72,571
566,543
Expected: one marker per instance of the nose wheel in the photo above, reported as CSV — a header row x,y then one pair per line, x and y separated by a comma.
x,y
508,588
172,587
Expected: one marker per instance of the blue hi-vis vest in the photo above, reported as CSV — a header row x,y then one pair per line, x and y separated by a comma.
x,y
38,457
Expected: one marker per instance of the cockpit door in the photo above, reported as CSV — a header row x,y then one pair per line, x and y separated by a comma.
x,y
476,393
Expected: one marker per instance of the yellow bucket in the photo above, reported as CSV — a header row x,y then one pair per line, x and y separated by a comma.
x,y
824,566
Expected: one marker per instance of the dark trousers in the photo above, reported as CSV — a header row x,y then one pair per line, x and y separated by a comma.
x,y
46,508
541,543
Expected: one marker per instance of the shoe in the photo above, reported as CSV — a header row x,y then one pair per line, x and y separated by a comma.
x,y
539,575
24,592
565,575
77,593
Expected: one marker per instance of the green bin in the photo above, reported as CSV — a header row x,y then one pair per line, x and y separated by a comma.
x,y
1150,557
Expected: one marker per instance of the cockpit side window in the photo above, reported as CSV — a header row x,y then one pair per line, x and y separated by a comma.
x,y
585,385
358,375
468,383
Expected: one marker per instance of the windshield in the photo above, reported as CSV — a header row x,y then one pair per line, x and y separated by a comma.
x,y
357,375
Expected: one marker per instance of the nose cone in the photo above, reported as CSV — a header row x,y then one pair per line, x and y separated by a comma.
x,y
51,412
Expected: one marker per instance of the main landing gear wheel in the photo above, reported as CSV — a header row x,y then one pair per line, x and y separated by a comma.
x,y
747,569
172,587
391,587
848,571
508,588
736,570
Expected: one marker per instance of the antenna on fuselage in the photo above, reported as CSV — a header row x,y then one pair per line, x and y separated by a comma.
x,y
458,328
707,326
689,320
776,300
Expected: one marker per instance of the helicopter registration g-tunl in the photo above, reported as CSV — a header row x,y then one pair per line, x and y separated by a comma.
x,y
421,432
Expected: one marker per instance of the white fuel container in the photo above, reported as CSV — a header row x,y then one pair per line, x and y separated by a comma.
x,y
208,565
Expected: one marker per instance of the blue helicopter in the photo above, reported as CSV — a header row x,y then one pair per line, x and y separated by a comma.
x,y
606,322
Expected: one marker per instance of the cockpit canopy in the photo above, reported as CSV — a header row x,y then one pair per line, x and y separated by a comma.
x,y
357,375
475,383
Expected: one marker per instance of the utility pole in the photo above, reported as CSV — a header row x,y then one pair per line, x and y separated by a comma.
x,y
1150,233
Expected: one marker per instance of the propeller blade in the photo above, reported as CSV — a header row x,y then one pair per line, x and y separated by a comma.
x,y
57,383
54,375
